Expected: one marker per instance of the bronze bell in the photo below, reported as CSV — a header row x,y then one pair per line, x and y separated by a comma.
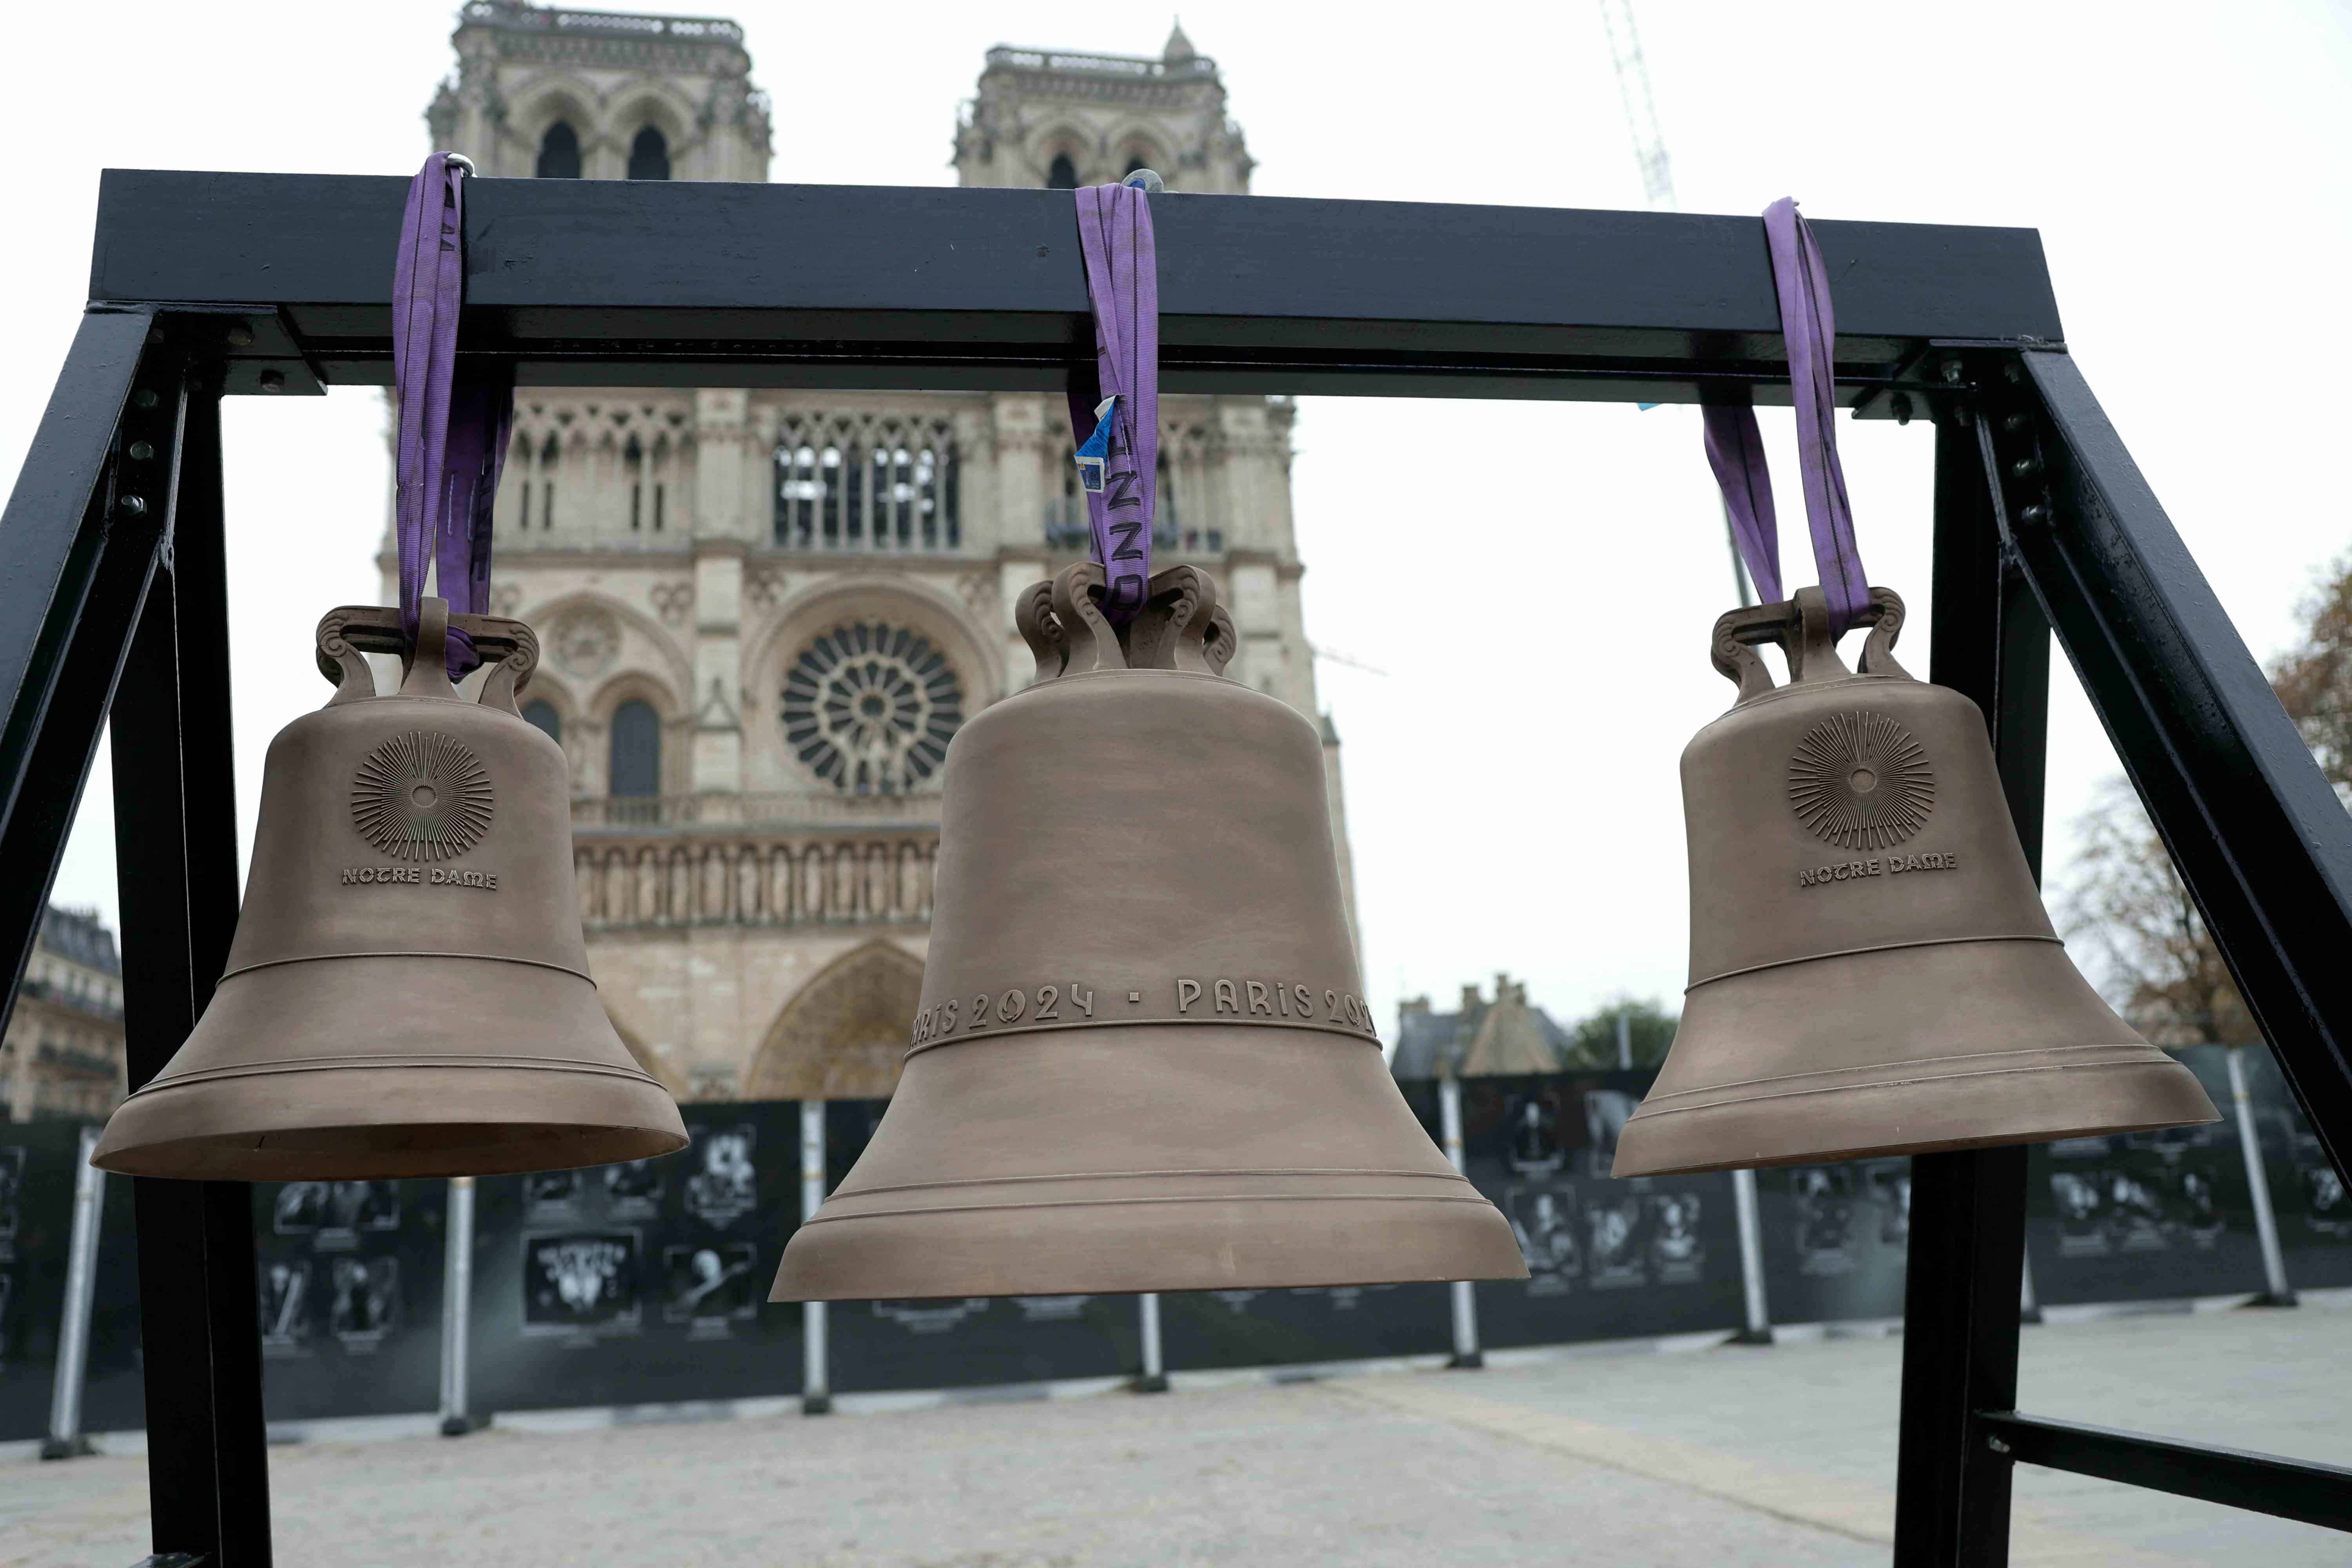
x,y
1872,969
1142,1060
407,993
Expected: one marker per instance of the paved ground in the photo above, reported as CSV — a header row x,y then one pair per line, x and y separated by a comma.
x,y
1714,1458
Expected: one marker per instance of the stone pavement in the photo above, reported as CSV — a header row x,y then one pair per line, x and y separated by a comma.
x,y
1714,1458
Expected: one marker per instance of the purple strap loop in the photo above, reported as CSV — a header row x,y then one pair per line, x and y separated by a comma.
x,y
454,425
1735,452
1123,288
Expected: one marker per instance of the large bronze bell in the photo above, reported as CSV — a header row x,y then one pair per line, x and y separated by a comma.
x,y
1872,969
407,994
1142,1060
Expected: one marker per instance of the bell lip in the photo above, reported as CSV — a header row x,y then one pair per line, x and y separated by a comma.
x,y
1107,1249
523,1148
1818,1133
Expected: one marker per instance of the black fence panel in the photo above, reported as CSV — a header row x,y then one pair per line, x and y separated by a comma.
x,y
2144,1217
1835,1239
114,1386
642,1283
350,1288
2307,1192
37,1162
965,1341
1606,1260
1206,1330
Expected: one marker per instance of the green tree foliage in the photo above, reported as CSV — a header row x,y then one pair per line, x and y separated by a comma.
x,y
1592,1040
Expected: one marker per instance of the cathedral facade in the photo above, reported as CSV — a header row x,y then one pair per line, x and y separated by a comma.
x,y
763,613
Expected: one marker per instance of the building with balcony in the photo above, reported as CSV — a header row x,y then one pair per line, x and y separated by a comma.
x,y
765,613
62,1055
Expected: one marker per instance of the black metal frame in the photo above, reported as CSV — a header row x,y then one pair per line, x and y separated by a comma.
x,y
112,601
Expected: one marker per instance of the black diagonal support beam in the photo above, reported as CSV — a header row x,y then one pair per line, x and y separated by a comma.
x,y
2259,837
78,545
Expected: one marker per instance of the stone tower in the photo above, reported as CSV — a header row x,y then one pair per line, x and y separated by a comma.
x,y
765,613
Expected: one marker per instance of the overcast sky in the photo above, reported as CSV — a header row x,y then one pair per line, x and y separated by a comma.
x,y
1511,778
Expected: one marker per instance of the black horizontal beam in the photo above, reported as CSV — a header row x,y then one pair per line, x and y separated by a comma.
x,y
2290,1488
698,284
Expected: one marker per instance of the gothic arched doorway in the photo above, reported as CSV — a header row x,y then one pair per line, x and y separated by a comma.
x,y
843,1036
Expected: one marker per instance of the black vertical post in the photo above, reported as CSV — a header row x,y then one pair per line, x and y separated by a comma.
x,y
176,843
1990,642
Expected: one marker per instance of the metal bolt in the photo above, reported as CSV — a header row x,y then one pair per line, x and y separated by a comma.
x,y
2014,423
2011,371
145,397
2036,513
135,505
1901,404
240,336
1996,1445
273,381
2026,468
1951,372
141,451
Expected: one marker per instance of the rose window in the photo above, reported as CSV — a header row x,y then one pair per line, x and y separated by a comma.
x,y
870,708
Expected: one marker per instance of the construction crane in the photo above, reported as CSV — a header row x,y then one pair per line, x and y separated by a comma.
x,y
1641,112
1657,170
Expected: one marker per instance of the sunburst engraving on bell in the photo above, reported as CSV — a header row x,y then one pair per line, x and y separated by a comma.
x,y
422,796
1861,781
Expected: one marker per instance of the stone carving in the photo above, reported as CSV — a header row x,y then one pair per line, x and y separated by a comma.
x,y
764,590
673,600
586,641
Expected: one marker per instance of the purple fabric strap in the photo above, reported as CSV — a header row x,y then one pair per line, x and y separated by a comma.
x,y
1734,450
452,427
1737,453
1123,286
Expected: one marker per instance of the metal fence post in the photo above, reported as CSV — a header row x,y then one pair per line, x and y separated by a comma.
x,y
66,1440
816,1387
2278,1293
1467,1352
1153,1379
1758,1328
456,1309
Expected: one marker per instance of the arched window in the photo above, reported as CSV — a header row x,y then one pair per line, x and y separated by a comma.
x,y
1163,510
1063,176
636,750
649,155
541,714
635,458
559,153
549,456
